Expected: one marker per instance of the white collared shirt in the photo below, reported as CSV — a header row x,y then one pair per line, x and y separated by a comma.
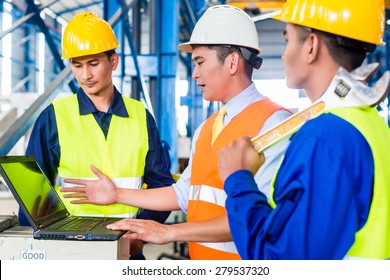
x,y
273,155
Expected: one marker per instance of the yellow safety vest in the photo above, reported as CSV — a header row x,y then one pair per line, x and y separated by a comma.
x,y
372,240
121,155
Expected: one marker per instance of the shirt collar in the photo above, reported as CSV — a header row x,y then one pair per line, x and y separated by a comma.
x,y
117,106
242,100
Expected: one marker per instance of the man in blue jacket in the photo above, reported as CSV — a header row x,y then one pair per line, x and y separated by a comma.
x,y
331,194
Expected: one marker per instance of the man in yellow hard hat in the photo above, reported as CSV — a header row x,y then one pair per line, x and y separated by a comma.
x,y
225,49
331,197
99,126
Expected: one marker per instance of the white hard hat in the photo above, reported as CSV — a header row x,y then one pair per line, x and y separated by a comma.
x,y
224,25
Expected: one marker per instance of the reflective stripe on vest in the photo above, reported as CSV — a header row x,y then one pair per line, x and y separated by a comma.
x,y
123,183
207,197
121,155
208,194
228,247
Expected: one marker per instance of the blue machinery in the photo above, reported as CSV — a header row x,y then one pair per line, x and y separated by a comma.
x,y
151,74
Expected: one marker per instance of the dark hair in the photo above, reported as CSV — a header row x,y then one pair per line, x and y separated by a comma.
x,y
110,53
224,50
349,53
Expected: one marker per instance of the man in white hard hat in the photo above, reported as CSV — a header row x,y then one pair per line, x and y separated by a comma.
x,y
225,48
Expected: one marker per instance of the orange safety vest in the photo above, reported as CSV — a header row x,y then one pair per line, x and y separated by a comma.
x,y
207,196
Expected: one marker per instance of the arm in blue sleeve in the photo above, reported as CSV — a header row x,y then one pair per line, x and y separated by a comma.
x,y
157,173
322,192
44,144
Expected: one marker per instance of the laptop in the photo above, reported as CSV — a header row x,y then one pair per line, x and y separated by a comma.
x,y
43,207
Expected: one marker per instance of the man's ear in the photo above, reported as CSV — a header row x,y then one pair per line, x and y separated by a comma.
x,y
312,45
234,62
114,61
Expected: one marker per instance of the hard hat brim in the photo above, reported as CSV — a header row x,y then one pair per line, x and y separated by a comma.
x,y
273,15
187,47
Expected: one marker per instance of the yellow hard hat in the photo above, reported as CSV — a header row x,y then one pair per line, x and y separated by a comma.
x,y
87,34
359,20
224,25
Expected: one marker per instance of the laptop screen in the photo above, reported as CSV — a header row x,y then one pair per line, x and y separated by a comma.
x,y
31,189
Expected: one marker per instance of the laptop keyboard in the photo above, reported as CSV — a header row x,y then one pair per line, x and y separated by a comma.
x,y
76,223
